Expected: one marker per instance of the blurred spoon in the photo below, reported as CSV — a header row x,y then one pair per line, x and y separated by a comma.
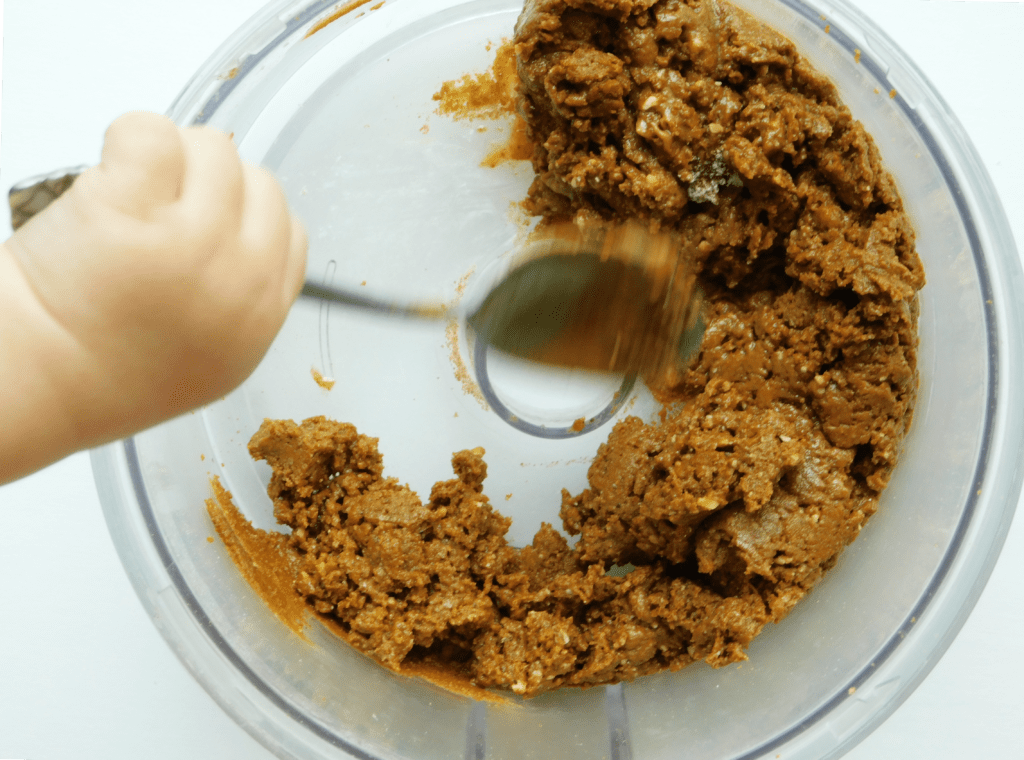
x,y
610,298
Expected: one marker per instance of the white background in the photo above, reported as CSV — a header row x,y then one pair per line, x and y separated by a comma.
x,y
84,673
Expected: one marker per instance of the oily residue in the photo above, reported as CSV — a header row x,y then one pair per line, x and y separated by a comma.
x,y
343,10
451,334
517,148
264,559
320,380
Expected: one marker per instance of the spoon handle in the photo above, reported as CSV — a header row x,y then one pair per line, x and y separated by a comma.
x,y
30,196
350,298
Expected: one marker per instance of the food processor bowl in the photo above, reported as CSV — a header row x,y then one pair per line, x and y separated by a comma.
x,y
338,102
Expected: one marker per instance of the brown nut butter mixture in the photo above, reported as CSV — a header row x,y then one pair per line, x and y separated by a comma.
x,y
695,117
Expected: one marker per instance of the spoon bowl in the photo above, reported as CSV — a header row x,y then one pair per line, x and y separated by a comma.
x,y
617,299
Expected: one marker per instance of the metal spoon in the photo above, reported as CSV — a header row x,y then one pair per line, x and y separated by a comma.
x,y
603,298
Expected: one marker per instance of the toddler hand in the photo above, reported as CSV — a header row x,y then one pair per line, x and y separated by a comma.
x,y
169,267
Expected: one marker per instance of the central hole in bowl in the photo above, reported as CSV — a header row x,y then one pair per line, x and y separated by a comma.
x,y
546,401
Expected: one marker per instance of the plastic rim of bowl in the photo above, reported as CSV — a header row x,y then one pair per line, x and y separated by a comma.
x,y
929,626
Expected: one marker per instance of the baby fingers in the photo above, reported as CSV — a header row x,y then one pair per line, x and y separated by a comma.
x,y
142,165
272,240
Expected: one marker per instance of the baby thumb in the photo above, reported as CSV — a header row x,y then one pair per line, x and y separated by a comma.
x,y
143,163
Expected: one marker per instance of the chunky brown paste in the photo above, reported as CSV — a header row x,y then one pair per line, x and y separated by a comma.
x,y
700,529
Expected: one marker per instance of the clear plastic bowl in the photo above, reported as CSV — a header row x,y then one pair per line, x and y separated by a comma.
x,y
394,195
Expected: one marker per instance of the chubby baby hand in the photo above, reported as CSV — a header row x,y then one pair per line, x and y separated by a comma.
x,y
170,267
